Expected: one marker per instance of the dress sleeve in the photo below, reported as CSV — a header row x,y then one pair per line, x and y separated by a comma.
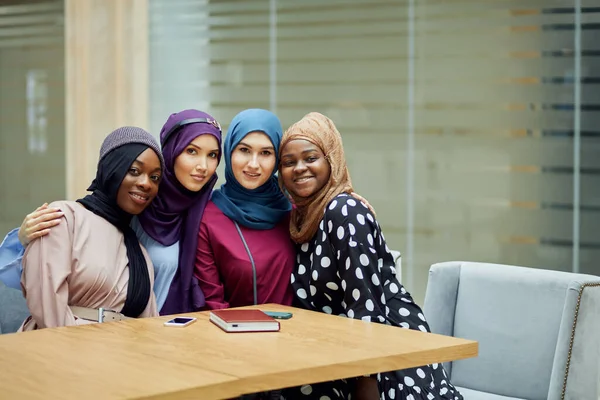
x,y
152,308
47,267
207,272
11,255
352,234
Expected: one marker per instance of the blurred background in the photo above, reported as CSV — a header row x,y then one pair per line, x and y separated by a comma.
x,y
472,127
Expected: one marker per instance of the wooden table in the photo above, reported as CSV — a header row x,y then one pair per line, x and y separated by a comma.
x,y
143,359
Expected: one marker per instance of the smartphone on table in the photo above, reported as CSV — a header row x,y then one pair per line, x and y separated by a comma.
x,y
180,321
279,314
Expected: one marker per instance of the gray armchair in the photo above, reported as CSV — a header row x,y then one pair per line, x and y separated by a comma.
x,y
13,309
538,330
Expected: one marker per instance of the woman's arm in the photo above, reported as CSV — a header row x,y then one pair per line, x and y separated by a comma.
x,y
355,237
207,272
35,225
11,256
39,223
46,269
151,309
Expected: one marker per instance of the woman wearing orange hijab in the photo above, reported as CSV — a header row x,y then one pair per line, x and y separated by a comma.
x,y
344,266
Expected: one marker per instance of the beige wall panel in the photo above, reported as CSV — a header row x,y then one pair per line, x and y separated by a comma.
x,y
106,79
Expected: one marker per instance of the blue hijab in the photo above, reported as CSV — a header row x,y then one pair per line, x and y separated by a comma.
x,y
261,208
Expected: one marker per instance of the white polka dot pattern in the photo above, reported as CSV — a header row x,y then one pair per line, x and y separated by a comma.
x,y
306,389
301,269
351,274
375,279
364,260
359,273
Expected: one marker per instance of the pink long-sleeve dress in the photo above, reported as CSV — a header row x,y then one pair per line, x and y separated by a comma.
x,y
81,262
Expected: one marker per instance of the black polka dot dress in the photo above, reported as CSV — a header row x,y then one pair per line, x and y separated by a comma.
x,y
348,270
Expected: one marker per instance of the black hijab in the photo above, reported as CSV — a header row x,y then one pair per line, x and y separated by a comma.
x,y
112,169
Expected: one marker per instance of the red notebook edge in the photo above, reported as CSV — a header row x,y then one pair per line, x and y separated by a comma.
x,y
233,317
246,315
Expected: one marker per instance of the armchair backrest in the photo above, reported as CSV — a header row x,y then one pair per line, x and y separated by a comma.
x,y
13,309
522,318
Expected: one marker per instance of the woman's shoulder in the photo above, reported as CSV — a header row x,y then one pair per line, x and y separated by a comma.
x,y
76,214
64,204
146,240
343,206
68,207
211,210
213,219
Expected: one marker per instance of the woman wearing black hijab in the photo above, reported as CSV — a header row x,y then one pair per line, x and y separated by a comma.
x,y
91,267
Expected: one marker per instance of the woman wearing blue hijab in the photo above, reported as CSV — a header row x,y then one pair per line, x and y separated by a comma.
x,y
260,206
245,255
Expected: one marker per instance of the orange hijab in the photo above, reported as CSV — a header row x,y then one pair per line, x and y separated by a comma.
x,y
321,131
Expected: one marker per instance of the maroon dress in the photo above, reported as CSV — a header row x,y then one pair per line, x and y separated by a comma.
x,y
223,267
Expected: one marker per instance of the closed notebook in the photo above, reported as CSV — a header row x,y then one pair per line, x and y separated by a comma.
x,y
244,321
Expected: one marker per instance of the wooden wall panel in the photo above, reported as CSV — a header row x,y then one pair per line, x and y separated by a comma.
x,y
106,56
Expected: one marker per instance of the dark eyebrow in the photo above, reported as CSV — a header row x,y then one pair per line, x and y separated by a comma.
x,y
200,148
304,152
142,163
264,148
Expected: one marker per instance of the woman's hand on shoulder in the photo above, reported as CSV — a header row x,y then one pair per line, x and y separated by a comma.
x,y
39,223
364,201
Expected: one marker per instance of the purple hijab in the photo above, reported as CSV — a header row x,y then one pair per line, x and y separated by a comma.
x,y
175,214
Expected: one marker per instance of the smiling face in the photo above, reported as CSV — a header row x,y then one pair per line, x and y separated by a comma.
x,y
197,163
140,185
253,160
304,168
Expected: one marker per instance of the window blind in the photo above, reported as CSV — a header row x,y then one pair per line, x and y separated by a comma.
x,y
459,118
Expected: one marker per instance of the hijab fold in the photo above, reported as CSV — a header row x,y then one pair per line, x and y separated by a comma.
x,y
261,208
175,215
321,131
112,169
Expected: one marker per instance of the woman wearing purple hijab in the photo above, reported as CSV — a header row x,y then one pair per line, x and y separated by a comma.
x,y
168,228
191,146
